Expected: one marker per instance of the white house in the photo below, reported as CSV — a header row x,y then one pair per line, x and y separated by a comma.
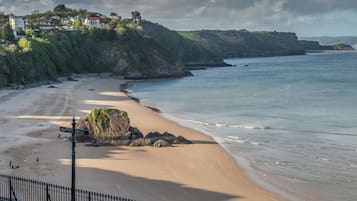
x,y
93,22
16,22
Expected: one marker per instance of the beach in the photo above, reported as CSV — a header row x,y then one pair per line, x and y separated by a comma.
x,y
200,171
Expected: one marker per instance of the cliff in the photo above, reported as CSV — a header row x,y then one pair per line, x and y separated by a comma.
x,y
60,53
349,40
315,46
187,51
243,43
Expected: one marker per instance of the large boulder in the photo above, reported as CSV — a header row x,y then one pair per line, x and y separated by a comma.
x,y
107,124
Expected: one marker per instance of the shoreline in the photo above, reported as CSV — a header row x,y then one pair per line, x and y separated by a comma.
x,y
242,163
190,174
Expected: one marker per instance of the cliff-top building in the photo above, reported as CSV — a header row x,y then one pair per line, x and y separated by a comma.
x,y
93,22
16,22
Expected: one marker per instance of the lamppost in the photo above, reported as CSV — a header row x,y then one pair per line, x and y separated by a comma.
x,y
73,188
74,132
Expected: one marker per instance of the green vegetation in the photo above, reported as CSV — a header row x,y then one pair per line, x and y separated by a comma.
x,y
243,43
6,33
350,40
187,51
58,43
101,116
47,57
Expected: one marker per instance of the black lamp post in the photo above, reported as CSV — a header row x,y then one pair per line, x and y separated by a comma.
x,y
73,189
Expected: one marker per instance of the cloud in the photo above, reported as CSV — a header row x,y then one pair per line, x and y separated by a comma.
x,y
313,7
282,15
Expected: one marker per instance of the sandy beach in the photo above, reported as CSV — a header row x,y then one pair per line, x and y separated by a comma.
x,y
29,129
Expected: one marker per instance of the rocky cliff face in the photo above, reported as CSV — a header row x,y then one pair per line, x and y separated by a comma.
x,y
315,46
186,51
142,65
243,43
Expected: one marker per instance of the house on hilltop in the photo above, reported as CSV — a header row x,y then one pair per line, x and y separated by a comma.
x,y
16,22
93,22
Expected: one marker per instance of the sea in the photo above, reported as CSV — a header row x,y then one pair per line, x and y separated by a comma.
x,y
290,122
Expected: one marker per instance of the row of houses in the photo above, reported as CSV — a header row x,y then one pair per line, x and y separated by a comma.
x,y
20,23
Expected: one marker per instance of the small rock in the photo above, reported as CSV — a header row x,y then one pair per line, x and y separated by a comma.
x,y
182,140
168,137
140,142
71,79
153,136
161,143
52,87
135,133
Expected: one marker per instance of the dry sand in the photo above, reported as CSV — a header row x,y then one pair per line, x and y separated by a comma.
x,y
29,128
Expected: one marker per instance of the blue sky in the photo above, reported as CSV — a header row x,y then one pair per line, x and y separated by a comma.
x,y
305,17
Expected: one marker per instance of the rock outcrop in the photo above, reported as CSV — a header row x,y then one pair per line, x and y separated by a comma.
x,y
112,126
168,137
107,124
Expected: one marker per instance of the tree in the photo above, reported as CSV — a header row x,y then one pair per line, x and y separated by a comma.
x,y
136,17
135,14
77,23
113,14
7,33
23,43
60,8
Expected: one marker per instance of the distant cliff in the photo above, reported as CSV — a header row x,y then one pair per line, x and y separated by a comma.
x,y
315,46
186,51
349,40
243,43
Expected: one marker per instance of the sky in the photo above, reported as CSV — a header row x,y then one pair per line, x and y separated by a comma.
x,y
305,17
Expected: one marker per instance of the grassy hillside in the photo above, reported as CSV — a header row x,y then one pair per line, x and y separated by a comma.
x,y
60,53
187,51
350,40
242,43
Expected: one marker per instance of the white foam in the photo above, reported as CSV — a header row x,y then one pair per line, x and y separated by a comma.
x,y
324,159
235,126
198,122
220,125
239,141
233,137
229,140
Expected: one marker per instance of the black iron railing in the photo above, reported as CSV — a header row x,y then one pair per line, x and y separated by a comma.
x,y
19,189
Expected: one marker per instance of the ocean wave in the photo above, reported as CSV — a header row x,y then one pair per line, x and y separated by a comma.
x,y
221,125
254,143
198,122
237,139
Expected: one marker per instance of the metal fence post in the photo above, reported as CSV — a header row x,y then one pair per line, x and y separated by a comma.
x,y
48,198
10,189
